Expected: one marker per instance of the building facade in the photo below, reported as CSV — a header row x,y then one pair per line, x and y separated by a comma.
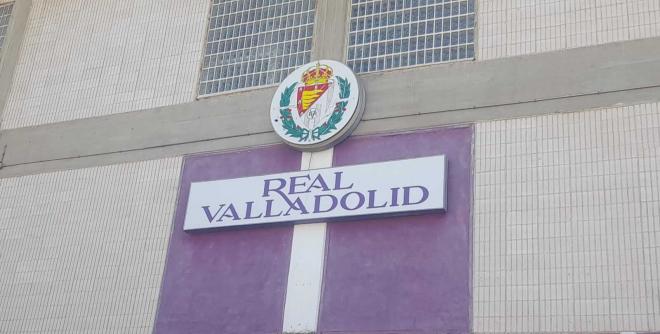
x,y
546,110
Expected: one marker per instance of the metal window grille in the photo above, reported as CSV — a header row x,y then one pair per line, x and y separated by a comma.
x,y
255,43
387,34
5,15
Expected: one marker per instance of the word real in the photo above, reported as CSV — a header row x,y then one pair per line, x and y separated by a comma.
x,y
360,190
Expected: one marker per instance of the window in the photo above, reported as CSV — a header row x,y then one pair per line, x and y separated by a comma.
x,y
387,34
255,43
5,14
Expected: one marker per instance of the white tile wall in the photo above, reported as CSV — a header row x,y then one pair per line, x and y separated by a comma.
x,y
517,27
86,58
83,250
567,222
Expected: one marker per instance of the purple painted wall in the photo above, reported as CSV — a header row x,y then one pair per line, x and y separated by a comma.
x,y
406,274
230,281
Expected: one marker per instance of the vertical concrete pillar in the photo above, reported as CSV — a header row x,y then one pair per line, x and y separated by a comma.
x,y
330,29
303,296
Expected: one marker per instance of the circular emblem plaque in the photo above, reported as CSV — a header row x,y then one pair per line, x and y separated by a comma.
x,y
317,106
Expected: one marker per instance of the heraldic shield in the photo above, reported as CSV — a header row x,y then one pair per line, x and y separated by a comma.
x,y
317,105
314,99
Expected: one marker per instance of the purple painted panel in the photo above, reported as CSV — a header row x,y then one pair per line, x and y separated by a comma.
x,y
408,274
232,281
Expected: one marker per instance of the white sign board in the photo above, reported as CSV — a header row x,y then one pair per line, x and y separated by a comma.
x,y
318,195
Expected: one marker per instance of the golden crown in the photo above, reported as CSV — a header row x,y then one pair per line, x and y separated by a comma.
x,y
320,74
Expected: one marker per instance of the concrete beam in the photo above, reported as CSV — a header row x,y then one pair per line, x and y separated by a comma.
x,y
308,245
425,96
506,81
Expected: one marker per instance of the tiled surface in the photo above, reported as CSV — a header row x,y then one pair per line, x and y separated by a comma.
x,y
5,16
83,58
517,27
392,34
567,222
254,43
83,250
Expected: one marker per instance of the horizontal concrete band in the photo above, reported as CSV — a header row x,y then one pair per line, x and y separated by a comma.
x,y
570,80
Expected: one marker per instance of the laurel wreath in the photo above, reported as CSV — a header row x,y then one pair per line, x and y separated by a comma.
x,y
328,126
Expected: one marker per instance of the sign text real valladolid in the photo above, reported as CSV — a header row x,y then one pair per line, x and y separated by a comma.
x,y
358,190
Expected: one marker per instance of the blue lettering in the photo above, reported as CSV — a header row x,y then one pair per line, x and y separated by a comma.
x,y
278,189
208,212
294,183
248,211
295,205
406,195
395,197
230,212
317,203
360,201
318,183
269,209
372,200
338,182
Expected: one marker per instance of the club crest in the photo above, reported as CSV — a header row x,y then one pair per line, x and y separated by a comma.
x,y
317,105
